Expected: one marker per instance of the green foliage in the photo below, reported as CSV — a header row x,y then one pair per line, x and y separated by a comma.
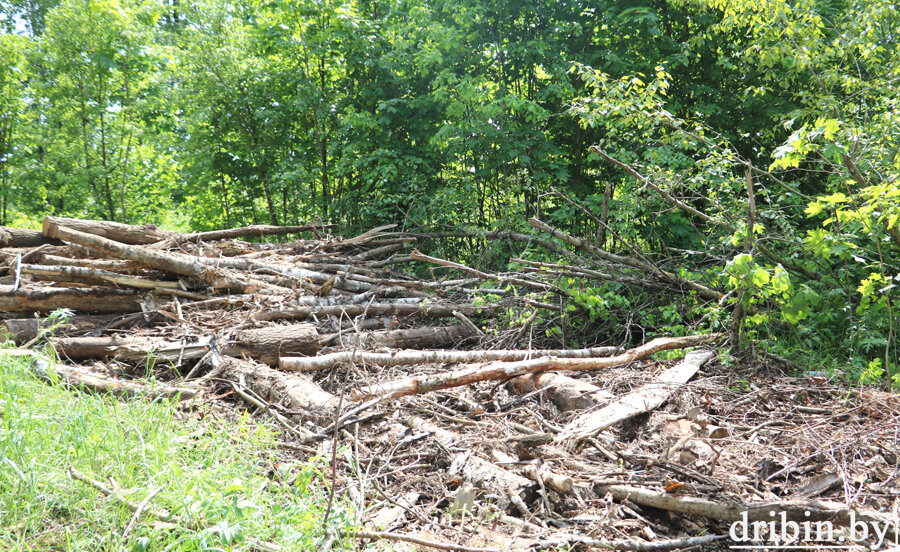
x,y
465,113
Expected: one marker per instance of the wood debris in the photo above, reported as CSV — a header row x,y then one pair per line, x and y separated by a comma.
x,y
548,447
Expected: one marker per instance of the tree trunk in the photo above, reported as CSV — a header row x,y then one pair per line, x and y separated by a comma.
x,y
565,392
505,370
123,233
374,309
20,237
23,330
86,300
404,358
415,338
292,391
269,343
639,401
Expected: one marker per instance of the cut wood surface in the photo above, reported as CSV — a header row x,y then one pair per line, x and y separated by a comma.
x,y
641,400
124,233
86,300
171,309
565,392
506,370
401,358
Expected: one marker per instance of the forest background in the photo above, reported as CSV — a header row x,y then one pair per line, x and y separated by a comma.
x,y
749,146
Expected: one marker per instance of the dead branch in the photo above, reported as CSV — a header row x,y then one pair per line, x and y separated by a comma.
x,y
598,253
794,510
374,309
645,399
401,358
506,370
507,280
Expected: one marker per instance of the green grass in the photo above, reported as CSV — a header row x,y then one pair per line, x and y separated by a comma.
x,y
218,473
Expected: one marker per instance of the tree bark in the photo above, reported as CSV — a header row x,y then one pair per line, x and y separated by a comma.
x,y
20,237
565,392
192,267
402,358
292,391
125,233
374,309
639,401
269,343
93,276
23,330
256,231
415,338
263,343
506,370
85,300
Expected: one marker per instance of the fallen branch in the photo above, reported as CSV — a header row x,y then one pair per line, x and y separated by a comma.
x,y
507,370
168,262
794,510
82,378
417,256
632,545
565,392
266,344
374,309
403,358
639,401
385,535
700,289
413,338
94,276
255,231
290,390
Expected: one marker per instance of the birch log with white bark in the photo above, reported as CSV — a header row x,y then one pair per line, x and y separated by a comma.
x,y
506,370
403,358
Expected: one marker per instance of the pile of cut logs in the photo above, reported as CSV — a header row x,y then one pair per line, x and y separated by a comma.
x,y
267,322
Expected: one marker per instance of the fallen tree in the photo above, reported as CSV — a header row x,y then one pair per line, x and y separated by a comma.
x,y
404,358
507,370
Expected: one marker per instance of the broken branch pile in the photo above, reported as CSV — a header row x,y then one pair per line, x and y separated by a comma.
x,y
323,336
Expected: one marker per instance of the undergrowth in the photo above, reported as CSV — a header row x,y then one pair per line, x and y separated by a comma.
x,y
221,475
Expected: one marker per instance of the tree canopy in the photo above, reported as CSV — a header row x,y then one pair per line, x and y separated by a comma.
x,y
751,146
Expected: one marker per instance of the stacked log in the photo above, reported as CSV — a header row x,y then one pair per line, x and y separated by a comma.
x,y
246,318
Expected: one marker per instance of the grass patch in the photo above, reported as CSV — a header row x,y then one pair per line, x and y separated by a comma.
x,y
221,474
